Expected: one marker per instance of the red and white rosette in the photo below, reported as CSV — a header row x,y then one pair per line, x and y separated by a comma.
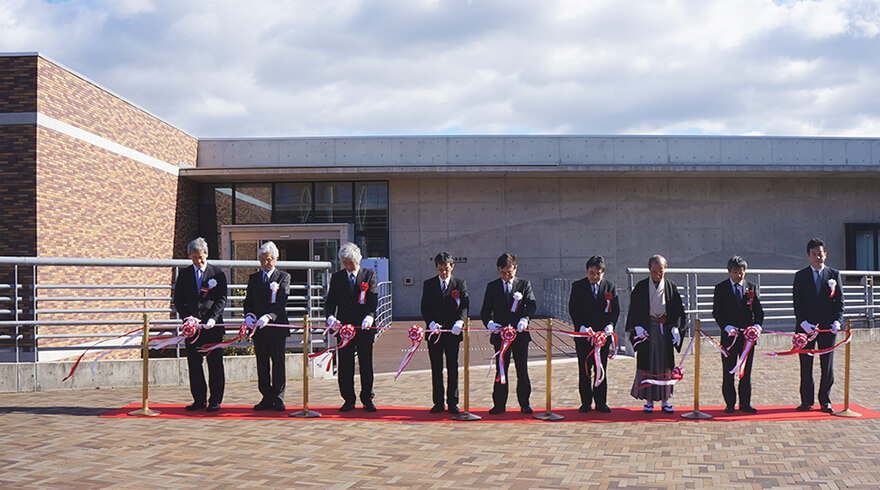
x,y
273,288
750,294
457,297
800,340
189,330
675,375
211,284
517,297
608,297
245,332
751,335
832,286
363,297
346,334
415,334
508,334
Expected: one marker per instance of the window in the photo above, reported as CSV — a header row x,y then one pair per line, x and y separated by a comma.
x,y
253,203
293,203
333,203
862,251
215,210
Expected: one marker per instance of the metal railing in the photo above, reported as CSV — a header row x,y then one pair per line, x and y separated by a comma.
x,y
34,313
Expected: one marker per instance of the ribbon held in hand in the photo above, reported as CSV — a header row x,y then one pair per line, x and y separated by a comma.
x,y
346,335
751,335
189,331
508,335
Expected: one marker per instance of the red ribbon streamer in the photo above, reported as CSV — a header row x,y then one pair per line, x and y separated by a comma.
x,y
508,334
416,334
346,334
78,359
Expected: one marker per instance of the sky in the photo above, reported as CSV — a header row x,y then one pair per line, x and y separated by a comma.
x,y
232,68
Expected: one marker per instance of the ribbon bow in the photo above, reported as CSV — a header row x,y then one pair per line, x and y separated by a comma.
x,y
508,334
415,334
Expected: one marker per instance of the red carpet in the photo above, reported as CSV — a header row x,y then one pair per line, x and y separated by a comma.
x,y
421,414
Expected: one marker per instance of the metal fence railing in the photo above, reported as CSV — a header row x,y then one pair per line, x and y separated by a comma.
x,y
46,303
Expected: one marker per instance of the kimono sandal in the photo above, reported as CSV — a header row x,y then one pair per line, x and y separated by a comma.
x,y
649,407
668,408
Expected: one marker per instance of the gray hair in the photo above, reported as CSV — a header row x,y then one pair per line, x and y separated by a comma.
x,y
197,245
350,251
268,248
657,259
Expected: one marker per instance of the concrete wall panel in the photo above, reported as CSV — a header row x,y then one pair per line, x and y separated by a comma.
x,y
746,151
586,151
307,152
834,152
531,150
695,151
641,150
796,151
476,151
858,152
419,151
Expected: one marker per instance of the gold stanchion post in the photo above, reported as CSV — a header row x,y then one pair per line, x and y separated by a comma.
x,y
846,412
145,404
548,415
305,412
466,415
697,414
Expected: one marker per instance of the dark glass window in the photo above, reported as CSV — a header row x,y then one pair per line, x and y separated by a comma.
x,y
862,250
215,210
293,202
371,206
333,202
253,203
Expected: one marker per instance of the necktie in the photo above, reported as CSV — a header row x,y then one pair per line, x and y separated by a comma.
x,y
198,279
818,281
442,288
507,288
351,281
739,294
265,277
595,291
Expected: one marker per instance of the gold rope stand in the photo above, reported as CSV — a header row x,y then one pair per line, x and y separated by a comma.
x,y
305,412
145,410
846,412
697,414
548,415
465,415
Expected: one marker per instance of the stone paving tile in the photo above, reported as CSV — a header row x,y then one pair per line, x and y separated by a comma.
x,y
57,440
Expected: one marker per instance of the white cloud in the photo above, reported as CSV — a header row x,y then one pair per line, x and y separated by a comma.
x,y
290,68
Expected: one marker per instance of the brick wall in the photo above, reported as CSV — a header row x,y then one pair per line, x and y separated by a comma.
x,y
18,84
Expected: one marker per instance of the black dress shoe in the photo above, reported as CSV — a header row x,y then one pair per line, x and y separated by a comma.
x,y
213,407
748,409
827,408
527,410
279,406
584,408
346,407
729,409
263,405
496,410
454,409
604,409
804,408
194,406
368,406
436,409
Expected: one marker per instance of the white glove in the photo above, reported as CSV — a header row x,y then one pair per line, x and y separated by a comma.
x,y
262,321
494,327
332,321
433,326
759,328
210,323
640,332
456,327
249,319
835,327
522,325
583,329
609,329
807,326
676,336
368,321
730,329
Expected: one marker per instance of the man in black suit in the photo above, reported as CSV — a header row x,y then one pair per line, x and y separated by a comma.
x,y
444,306
200,293
266,301
352,300
593,305
818,305
736,306
509,301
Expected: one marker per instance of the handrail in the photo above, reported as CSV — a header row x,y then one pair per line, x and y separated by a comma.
x,y
287,264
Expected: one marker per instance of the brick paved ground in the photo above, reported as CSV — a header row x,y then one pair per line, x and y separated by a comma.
x,y
56,439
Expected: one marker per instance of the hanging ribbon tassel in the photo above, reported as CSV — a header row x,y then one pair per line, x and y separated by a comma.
x,y
79,359
508,334
720,348
599,339
677,372
346,334
415,334
751,335
800,340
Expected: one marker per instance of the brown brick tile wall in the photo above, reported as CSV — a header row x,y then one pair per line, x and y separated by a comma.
x,y
69,98
18,225
18,84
